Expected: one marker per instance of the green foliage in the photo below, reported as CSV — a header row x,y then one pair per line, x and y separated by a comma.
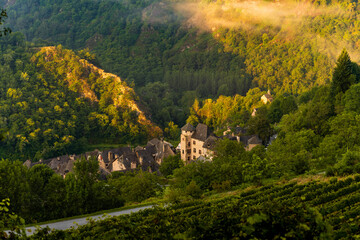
x,y
231,165
44,109
311,210
221,187
343,75
261,125
349,163
343,136
10,221
38,194
142,186
172,131
225,110
199,171
293,151
351,99
5,30
169,164
280,106
193,190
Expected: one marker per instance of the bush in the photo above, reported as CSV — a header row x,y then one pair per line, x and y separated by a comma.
x,y
221,187
169,164
333,180
193,190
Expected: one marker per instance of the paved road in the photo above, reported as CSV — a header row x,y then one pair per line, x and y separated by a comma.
x,y
63,225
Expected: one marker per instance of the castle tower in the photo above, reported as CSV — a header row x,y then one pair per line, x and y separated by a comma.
x,y
185,142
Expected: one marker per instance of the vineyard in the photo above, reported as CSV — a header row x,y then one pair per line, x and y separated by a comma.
x,y
316,209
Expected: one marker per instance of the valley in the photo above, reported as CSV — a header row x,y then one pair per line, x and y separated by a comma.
x,y
95,94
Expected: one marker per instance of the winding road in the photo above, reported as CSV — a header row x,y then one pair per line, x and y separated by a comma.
x,y
66,224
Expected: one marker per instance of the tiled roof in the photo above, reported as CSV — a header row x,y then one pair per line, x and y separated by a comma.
x,y
201,133
210,142
254,140
188,127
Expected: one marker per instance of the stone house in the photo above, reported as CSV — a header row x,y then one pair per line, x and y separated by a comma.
x,y
196,142
267,98
121,159
241,134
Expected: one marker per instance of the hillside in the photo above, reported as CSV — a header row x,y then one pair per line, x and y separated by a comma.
x,y
93,83
53,103
202,50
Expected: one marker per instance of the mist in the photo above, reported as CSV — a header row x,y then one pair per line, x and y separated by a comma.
x,y
286,17
247,14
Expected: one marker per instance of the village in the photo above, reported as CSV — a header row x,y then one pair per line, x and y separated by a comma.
x,y
196,143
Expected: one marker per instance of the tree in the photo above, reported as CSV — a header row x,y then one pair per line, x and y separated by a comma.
x,y
86,175
3,15
351,99
261,125
172,131
343,75
9,220
169,164
141,186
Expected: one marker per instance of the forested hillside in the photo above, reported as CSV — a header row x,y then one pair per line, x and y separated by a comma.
x,y
53,103
176,52
173,57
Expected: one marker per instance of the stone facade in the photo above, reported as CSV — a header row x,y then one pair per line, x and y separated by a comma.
x,y
196,142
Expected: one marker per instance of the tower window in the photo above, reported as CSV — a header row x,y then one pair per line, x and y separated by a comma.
x,y
194,150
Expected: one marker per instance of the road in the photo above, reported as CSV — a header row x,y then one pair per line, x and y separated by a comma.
x,y
66,224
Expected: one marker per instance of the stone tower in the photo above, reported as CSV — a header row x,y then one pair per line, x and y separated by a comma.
x,y
185,142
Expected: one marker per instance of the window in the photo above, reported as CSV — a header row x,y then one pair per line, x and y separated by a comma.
x,y
199,151
194,142
194,157
189,144
188,158
194,150
183,152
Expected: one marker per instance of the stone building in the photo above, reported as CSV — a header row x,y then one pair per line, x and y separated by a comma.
x,y
122,159
241,134
196,142
267,98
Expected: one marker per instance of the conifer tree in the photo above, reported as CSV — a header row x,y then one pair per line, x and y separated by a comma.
x,y
343,75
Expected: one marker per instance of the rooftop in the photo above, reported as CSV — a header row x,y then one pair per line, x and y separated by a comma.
x,y
202,132
188,127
